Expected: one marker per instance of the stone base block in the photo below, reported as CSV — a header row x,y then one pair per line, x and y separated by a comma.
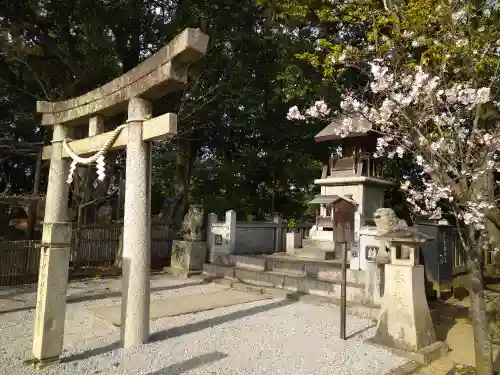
x,y
423,356
405,321
317,254
248,262
213,270
177,272
293,241
188,256
220,258
323,244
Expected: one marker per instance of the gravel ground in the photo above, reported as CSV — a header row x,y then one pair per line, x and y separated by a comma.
x,y
265,337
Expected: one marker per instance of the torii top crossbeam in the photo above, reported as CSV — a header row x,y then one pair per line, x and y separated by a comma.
x,y
163,72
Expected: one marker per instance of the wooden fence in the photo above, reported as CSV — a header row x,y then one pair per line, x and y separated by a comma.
x,y
97,245
459,257
92,246
19,262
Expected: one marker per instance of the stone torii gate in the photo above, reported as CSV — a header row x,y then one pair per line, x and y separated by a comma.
x,y
158,75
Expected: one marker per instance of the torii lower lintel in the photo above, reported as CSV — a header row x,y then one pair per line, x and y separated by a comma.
x,y
160,127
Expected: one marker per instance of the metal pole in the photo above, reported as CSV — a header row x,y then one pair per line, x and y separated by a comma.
x,y
343,294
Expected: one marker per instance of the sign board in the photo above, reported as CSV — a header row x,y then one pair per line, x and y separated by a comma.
x,y
343,221
218,239
371,252
354,250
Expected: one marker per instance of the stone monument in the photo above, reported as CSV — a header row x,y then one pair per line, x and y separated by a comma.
x,y
405,321
221,237
189,254
372,255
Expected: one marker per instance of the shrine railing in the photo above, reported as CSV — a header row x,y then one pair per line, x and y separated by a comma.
x,y
97,247
364,165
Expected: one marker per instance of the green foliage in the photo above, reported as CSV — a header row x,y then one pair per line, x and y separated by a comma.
x,y
235,148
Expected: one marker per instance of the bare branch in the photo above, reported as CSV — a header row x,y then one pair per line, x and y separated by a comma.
x,y
99,199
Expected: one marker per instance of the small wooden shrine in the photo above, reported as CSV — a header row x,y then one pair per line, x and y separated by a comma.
x,y
351,186
357,150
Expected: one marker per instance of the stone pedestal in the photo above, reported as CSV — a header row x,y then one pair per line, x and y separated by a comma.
x,y
51,295
374,285
187,258
405,320
221,238
367,192
293,241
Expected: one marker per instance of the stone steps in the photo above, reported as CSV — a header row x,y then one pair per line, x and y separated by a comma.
x,y
318,249
365,311
318,244
312,253
329,270
287,281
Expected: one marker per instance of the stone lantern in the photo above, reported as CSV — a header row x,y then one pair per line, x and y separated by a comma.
x,y
405,321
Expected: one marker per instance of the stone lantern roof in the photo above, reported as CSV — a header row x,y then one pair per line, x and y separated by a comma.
x,y
408,235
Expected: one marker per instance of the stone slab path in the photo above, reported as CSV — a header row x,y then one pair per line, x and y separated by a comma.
x,y
161,308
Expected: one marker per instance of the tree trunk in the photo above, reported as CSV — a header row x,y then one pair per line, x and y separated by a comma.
x,y
119,252
480,326
175,206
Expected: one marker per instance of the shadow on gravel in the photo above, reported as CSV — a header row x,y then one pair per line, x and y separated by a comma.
x,y
204,324
97,296
185,329
91,353
352,335
190,364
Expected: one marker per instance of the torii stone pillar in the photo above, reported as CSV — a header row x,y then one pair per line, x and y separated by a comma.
x,y
136,229
54,260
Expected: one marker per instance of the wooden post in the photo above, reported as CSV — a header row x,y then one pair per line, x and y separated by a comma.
x,y
343,293
33,209
278,234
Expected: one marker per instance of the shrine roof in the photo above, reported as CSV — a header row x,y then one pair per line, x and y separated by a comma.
x,y
330,131
329,199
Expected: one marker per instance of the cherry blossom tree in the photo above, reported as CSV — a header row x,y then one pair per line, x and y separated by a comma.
x,y
433,97
447,128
